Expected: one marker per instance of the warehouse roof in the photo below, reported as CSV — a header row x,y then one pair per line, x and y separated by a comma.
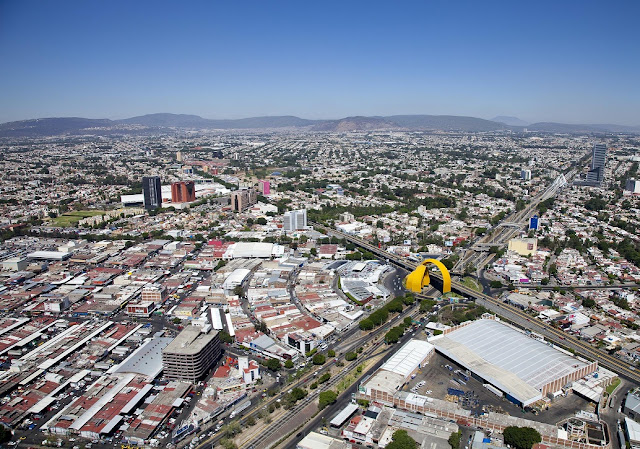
x,y
236,277
408,358
509,359
147,359
49,255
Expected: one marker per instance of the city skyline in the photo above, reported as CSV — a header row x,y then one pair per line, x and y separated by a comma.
x,y
565,63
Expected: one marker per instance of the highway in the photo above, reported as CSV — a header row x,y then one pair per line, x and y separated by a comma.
x,y
513,314
477,256
581,287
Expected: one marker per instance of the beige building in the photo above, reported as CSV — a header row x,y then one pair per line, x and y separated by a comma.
x,y
524,247
191,354
242,199
155,293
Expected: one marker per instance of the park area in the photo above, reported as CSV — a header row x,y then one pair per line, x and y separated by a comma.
x,y
471,283
72,218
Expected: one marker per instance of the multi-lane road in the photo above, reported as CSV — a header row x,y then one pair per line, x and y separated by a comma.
x,y
477,256
513,314
350,341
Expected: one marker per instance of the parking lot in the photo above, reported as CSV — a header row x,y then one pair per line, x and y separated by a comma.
x,y
440,374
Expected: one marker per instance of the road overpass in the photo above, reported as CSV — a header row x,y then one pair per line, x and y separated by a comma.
x,y
508,228
513,314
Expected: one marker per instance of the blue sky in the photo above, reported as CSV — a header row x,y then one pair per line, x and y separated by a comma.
x,y
569,61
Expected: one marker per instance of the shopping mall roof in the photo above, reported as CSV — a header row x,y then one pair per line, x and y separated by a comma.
x,y
518,365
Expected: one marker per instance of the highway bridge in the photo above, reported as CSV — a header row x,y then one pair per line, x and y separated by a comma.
x,y
511,313
508,228
580,287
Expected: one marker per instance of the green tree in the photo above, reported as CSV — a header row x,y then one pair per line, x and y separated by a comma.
x,y
238,290
521,437
273,364
261,221
331,353
588,303
408,299
225,337
426,305
448,263
288,364
326,398
393,336
298,393
495,284
401,440
250,421
349,356
232,429
366,324
319,359
454,440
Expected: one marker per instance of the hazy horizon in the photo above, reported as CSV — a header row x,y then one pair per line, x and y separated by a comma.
x,y
569,62
309,118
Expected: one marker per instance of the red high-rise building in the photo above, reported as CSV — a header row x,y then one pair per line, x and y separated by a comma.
x,y
183,192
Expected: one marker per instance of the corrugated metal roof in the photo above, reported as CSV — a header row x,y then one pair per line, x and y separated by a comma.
x,y
507,358
408,358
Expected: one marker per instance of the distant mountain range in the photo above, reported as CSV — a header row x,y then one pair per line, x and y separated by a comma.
x,y
511,121
166,122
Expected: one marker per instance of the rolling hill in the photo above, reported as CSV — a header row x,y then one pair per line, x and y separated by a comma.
x,y
164,122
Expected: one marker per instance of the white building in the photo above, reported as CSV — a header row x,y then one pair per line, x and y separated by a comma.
x,y
294,220
15,264
237,277
249,369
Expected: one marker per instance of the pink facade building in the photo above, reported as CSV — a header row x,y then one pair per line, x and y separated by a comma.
x,y
265,187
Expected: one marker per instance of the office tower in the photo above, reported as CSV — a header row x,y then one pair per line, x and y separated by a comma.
x,y
525,175
598,162
183,192
242,199
295,219
152,191
179,156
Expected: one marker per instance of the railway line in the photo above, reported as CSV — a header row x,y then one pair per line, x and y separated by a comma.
x,y
258,442
334,380
512,313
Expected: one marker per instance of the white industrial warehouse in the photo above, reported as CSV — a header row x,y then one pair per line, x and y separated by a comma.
x,y
522,367
399,368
